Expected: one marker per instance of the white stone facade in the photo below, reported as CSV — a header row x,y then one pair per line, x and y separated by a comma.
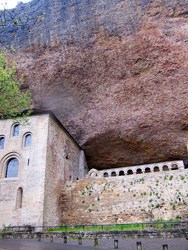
x,y
140,169
31,196
147,168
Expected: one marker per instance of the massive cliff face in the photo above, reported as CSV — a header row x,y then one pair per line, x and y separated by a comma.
x,y
114,72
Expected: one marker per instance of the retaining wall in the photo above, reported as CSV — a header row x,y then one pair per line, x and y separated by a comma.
x,y
124,199
134,234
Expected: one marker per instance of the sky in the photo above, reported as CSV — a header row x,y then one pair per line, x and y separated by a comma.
x,y
11,3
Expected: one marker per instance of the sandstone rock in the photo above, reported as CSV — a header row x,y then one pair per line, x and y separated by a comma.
x,y
114,73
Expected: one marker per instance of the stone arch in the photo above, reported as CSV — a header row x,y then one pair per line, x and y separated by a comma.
x,y
139,171
165,168
19,198
185,162
27,139
129,172
5,161
105,174
147,170
12,168
2,141
174,166
121,173
93,173
15,129
113,173
156,169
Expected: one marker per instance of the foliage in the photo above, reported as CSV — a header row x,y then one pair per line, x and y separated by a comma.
x,y
159,224
18,18
13,101
99,228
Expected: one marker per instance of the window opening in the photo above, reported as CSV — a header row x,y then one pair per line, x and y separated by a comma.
x,y
121,173
16,130
2,142
12,168
156,169
19,198
147,170
165,168
185,162
105,174
174,167
113,174
129,172
28,140
139,171
28,162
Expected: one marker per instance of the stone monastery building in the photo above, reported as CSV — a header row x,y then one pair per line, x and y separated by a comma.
x,y
35,160
45,181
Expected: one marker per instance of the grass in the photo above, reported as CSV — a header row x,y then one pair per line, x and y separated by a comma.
x,y
100,228
135,226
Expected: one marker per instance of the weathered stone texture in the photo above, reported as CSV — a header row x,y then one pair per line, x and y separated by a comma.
x,y
124,199
43,168
30,177
62,165
115,74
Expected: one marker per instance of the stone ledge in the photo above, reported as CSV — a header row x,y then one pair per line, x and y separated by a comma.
x,y
132,234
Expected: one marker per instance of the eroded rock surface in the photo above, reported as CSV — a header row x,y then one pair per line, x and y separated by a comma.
x,y
114,72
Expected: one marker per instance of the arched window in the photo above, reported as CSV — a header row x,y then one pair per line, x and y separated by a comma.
x,y
105,174
2,142
174,167
19,198
129,172
147,170
113,174
165,168
156,169
16,130
28,140
121,173
139,171
12,168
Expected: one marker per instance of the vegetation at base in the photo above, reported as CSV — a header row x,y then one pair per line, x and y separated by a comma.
x,y
99,228
159,224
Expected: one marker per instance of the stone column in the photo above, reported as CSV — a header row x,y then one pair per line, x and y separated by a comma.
x,y
115,244
139,245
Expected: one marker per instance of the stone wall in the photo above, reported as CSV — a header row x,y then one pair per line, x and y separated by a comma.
x,y
123,199
134,234
31,172
54,158
146,168
63,157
